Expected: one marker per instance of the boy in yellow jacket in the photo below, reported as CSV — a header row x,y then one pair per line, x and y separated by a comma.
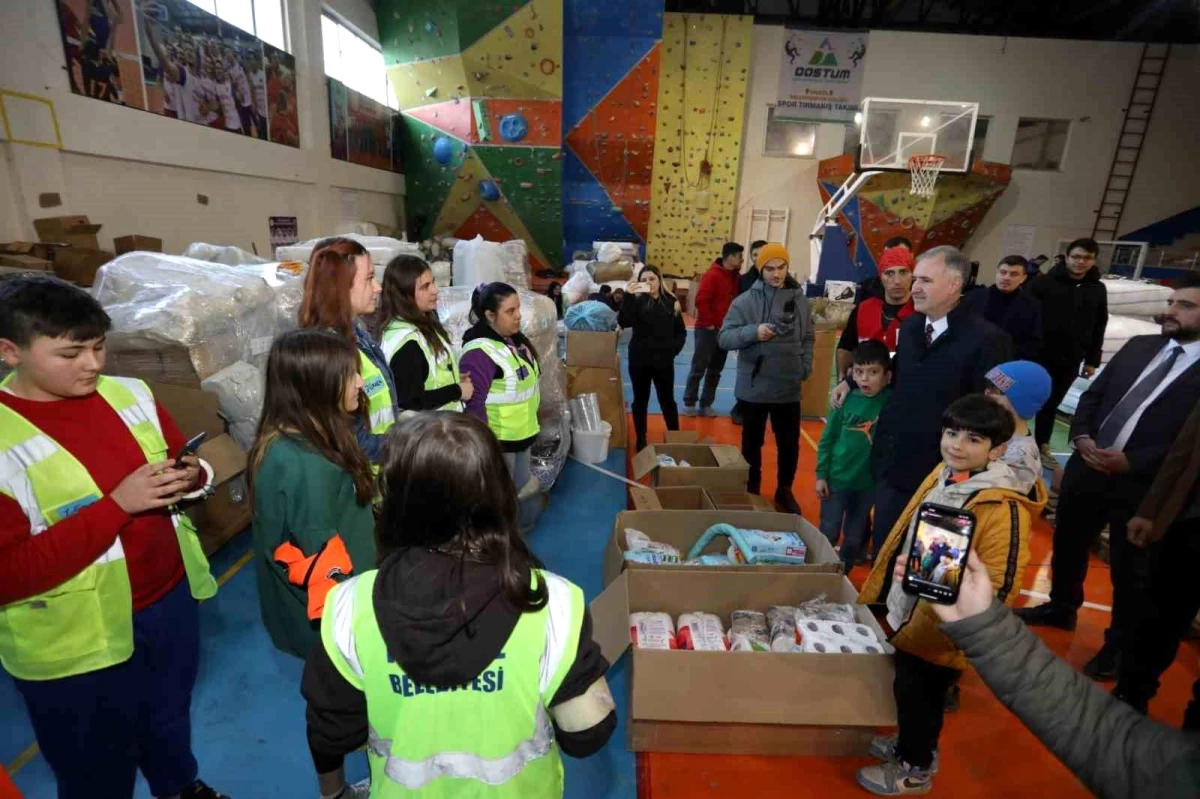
x,y
973,476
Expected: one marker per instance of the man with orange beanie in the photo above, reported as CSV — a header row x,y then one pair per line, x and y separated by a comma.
x,y
771,328
879,318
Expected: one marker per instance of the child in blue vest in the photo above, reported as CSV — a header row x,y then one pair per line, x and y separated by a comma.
x,y
99,576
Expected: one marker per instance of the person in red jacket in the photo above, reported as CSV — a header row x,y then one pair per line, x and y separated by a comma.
x,y
879,318
718,288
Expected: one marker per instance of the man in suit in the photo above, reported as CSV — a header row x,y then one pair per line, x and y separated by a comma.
x,y
1124,426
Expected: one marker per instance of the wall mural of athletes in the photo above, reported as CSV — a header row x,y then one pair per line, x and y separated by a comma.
x,y
171,58
361,130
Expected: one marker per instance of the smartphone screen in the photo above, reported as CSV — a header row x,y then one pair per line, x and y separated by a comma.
x,y
939,552
191,446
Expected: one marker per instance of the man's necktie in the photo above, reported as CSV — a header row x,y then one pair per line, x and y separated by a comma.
x,y
1128,406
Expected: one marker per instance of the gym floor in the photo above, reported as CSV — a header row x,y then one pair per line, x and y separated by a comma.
x,y
248,716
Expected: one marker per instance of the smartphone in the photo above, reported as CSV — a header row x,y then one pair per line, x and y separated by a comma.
x,y
938,556
190,447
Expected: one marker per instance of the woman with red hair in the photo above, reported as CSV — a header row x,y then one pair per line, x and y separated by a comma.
x,y
339,289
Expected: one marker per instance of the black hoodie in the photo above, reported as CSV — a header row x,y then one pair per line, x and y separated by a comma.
x,y
419,604
1074,315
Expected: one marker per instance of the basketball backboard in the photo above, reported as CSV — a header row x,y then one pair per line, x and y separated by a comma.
x,y
893,130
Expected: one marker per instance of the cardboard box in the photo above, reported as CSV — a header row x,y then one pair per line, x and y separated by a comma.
x,y
25,262
719,466
683,528
194,411
677,498
80,265
740,500
609,387
137,243
592,349
227,512
36,249
683,437
78,231
755,703
814,392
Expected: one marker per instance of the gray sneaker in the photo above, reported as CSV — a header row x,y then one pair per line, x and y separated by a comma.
x,y
895,779
705,410
689,410
883,747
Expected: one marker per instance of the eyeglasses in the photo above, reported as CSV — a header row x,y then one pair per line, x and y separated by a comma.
x,y
1087,257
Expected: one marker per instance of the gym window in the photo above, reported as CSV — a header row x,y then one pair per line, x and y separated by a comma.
x,y
262,18
789,138
355,61
1041,144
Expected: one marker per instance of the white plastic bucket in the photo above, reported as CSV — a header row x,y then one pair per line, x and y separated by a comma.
x,y
591,447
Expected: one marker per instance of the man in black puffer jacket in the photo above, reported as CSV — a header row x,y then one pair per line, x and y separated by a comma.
x,y
1074,314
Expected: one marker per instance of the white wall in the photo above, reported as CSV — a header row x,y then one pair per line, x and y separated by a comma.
x,y
137,172
1086,82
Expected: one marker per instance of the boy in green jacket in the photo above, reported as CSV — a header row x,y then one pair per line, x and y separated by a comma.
x,y
845,482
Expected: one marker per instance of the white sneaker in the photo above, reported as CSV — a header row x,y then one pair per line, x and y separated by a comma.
x,y
895,779
359,790
883,747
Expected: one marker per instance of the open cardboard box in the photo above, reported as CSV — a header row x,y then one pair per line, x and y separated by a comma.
x,y
592,349
756,703
740,500
683,528
137,243
227,512
718,466
674,498
76,230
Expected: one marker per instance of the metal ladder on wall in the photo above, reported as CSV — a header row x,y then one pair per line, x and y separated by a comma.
x,y
1138,111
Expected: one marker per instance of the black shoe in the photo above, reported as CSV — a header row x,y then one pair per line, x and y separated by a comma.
x,y
639,446
953,699
200,790
1104,665
735,415
1140,705
753,488
787,502
1048,615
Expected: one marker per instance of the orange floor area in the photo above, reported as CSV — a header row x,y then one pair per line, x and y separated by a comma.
x,y
985,750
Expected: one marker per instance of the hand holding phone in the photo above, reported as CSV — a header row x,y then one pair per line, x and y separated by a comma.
x,y
190,447
938,555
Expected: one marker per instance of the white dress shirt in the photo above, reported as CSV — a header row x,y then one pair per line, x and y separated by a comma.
x,y
1189,356
939,326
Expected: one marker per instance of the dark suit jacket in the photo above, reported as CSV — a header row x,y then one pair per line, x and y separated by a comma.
x,y
1021,318
1177,480
1159,424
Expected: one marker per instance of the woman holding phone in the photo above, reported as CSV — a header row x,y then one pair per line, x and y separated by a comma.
x,y
424,366
659,334
339,290
310,484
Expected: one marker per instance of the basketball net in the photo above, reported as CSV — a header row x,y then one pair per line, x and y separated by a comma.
x,y
924,169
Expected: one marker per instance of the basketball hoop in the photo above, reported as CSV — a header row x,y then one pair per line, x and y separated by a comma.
x,y
924,169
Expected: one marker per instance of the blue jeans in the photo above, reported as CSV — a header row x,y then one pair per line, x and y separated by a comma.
x,y
847,512
97,729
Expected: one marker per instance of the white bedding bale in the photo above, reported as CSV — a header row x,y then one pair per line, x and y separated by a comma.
x,y
1135,297
382,250
221,254
441,273
239,388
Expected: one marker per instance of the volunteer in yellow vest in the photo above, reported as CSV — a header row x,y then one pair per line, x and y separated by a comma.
x,y
310,484
99,579
502,364
339,291
462,665
424,365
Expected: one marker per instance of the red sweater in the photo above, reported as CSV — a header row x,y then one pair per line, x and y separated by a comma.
x,y
718,288
90,430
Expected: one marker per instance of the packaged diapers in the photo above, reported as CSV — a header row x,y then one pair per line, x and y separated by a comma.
x,y
640,549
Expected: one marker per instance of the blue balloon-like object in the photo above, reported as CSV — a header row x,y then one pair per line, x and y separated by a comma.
x,y
443,150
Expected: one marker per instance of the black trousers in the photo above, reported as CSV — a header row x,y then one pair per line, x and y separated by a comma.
x,y
663,377
785,422
1061,378
708,361
1174,601
1088,501
920,689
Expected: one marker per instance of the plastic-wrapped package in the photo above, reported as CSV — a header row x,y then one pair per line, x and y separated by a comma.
x,y
854,632
578,286
616,271
381,248
286,283
1135,297
590,316
239,388
781,621
221,254
748,632
549,452
441,273
640,549
702,632
479,261
754,546
539,321
819,608
215,315
652,631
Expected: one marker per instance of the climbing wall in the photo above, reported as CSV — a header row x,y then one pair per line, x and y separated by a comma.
x,y
704,64
610,96
884,208
479,83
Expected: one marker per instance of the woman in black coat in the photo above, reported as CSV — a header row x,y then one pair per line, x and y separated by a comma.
x,y
656,319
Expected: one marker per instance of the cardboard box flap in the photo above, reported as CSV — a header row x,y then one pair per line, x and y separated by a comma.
x,y
19,247
681,437
585,348
644,462
50,226
728,455
610,620
645,498
223,454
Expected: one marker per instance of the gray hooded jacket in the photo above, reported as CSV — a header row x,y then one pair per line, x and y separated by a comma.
x,y
769,371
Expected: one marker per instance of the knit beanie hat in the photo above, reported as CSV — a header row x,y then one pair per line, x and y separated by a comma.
x,y
1025,383
894,257
771,252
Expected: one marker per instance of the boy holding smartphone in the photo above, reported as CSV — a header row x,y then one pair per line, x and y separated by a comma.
x,y
972,476
99,575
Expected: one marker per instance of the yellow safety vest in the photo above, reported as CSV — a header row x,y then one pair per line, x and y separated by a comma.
x,y
443,369
513,398
379,396
86,623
